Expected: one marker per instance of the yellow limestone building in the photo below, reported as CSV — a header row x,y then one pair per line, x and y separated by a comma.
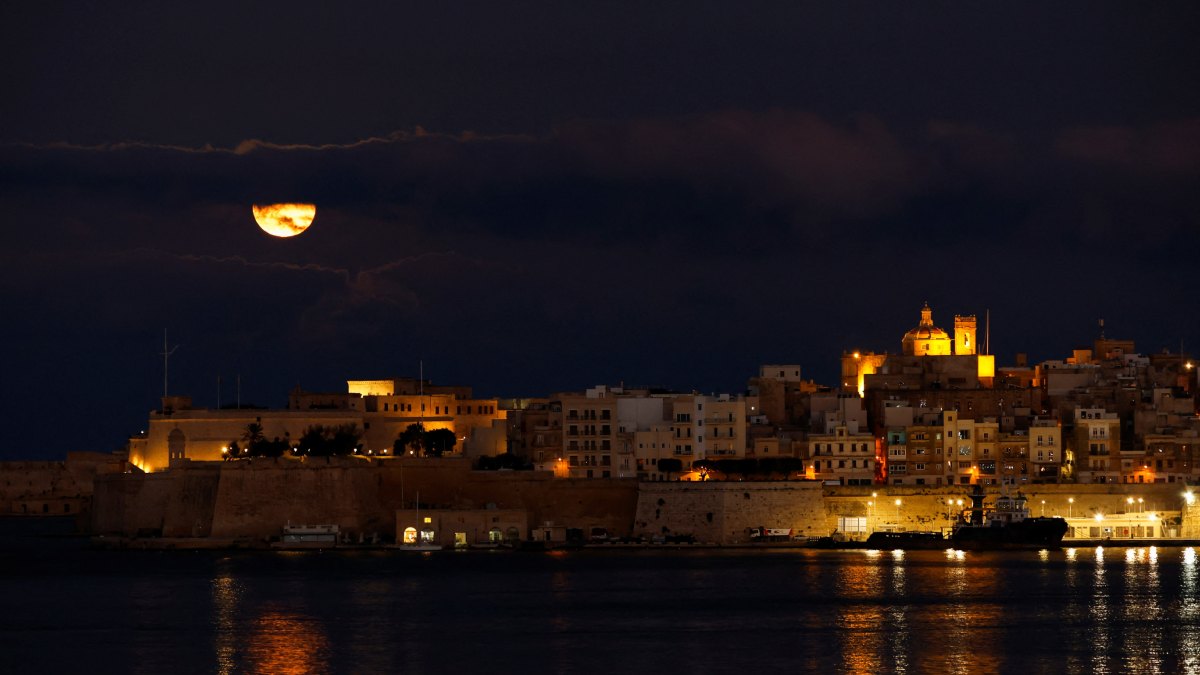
x,y
378,409
926,339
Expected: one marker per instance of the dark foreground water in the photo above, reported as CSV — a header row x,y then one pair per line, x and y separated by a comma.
x,y
66,609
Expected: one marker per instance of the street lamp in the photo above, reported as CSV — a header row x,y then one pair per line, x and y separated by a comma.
x,y
1043,508
1141,505
1070,505
897,513
1129,501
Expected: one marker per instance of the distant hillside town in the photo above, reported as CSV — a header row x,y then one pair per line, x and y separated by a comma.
x,y
940,412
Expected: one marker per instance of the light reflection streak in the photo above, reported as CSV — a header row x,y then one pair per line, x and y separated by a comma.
x,y
861,624
961,650
896,617
226,594
287,643
1189,611
1101,613
1140,607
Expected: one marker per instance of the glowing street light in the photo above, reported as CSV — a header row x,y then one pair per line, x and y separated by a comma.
x,y
1129,501
1189,497
1070,505
1141,505
897,512
1043,508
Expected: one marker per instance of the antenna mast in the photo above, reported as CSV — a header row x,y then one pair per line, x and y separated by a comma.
x,y
166,354
987,331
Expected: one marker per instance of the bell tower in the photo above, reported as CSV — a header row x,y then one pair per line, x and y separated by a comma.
x,y
964,335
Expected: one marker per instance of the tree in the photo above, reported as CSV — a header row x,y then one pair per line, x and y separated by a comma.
x,y
438,442
669,466
272,448
253,434
412,438
323,441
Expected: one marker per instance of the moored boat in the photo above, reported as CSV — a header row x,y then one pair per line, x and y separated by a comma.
x,y
307,536
1007,524
907,541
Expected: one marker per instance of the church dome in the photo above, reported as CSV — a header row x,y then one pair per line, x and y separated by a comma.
x,y
927,339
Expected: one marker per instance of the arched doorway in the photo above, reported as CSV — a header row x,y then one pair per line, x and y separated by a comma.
x,y
176,444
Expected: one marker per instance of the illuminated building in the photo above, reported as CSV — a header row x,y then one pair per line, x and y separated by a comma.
x,y
589,431
929,340
1096,445
379,410
707,427
841,449
781,394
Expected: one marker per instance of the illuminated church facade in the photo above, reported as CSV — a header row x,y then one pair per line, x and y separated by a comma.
x,y
961,361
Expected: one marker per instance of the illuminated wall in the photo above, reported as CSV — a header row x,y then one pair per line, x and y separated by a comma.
x,y
927,339
857,365
205,433
964,335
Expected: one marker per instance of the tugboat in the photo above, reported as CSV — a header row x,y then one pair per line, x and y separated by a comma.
x,y
1006,525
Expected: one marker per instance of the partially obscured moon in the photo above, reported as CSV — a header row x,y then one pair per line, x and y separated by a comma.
x,y
284,220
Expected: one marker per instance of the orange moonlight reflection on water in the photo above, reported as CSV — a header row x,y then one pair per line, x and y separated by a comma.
x,y
284,220
288,644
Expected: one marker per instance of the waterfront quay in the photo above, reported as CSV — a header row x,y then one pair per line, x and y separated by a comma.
x,y
445,502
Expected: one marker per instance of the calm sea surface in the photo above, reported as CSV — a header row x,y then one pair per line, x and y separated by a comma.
x,y
67,609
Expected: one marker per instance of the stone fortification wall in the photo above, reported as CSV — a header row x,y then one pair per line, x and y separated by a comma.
x,y
171,504
21,480
54,488
932,508
255,499
726,513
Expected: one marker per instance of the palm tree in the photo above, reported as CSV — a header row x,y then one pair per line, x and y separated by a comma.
x,y
253,435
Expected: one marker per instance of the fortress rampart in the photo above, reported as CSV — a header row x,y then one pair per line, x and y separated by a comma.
x,y
254,499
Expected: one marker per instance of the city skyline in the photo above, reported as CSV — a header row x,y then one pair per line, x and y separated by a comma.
x,y
545,198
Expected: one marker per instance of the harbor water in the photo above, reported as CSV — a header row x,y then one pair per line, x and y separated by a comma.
x,y
66,608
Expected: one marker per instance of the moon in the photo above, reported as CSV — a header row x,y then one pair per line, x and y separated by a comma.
x,y
284,220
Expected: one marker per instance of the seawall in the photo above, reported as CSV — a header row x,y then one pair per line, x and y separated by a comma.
x,y
253,500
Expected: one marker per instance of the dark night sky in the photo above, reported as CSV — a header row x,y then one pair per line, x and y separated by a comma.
x,y
533,197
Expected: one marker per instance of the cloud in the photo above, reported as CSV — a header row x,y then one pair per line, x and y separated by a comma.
x,y
776,158
1162,150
